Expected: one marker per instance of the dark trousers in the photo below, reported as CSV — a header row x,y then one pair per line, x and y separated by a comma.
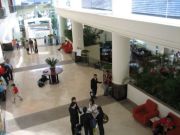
x,y
94,92
101,129
36,50
73,127
158,130
88,131
3,96
27,49
10,75
5,76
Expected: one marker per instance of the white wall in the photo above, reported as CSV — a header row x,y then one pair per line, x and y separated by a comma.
x,y
139,97
6,26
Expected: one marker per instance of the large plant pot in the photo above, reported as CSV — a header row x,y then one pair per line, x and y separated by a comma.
x,y
53,75
119,92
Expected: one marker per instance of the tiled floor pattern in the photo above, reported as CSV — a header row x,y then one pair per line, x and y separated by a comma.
x,y
41,66
49,115
44,110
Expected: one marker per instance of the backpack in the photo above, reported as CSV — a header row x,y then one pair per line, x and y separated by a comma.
x,y
40,83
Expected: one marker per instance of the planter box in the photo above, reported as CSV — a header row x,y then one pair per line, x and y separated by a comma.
x,y
139,97
119,92
7,47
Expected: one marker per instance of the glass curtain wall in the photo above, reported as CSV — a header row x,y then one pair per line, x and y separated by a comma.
x,y
97,4
162,8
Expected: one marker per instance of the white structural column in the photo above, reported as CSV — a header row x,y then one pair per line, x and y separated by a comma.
x,y
77,34
120,58
63,24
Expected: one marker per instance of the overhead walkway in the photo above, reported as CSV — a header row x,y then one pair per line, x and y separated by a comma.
x,y
161,31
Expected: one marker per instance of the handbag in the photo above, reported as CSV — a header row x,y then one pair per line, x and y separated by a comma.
x,y
105,118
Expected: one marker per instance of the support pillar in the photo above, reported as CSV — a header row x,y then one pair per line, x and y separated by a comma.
x,y
77,34
120,65
63,25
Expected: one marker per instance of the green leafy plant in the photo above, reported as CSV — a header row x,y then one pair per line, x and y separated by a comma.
x,y
68,34
90,35
51,62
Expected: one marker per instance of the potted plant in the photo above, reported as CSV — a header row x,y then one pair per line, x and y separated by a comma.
x,y
52,63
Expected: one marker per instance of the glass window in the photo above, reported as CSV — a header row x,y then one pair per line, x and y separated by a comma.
x,y
163,8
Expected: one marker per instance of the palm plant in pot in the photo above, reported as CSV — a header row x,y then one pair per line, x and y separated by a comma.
x,y
52,63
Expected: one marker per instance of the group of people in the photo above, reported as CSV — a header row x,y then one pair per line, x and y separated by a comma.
x,y
88,119
93,115
31,46
6,75
107,82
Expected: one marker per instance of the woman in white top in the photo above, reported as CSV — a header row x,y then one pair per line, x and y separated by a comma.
x,y
93,108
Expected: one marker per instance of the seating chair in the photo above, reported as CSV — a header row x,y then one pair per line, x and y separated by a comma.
x,y
143,113
176,120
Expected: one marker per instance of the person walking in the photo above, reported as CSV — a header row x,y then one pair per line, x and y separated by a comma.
x,y
31,45
27,47
94,82
35,45
85,121
99,119
15,92
17,44
74,114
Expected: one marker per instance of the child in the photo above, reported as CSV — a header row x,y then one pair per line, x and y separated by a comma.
x,y
15,92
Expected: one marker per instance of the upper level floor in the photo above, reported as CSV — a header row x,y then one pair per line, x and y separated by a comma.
x,y
122,20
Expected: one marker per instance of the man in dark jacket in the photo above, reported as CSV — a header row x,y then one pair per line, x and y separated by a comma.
x,y
94,82
74,116
86,121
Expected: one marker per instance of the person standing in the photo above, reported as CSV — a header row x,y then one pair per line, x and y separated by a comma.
x,y
35,45
44,39
107,81
93,110
74,114
94,82
31,45
99,119
17,44
85,121
27,47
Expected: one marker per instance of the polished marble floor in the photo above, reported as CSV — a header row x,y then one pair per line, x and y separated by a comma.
x,y
44,111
